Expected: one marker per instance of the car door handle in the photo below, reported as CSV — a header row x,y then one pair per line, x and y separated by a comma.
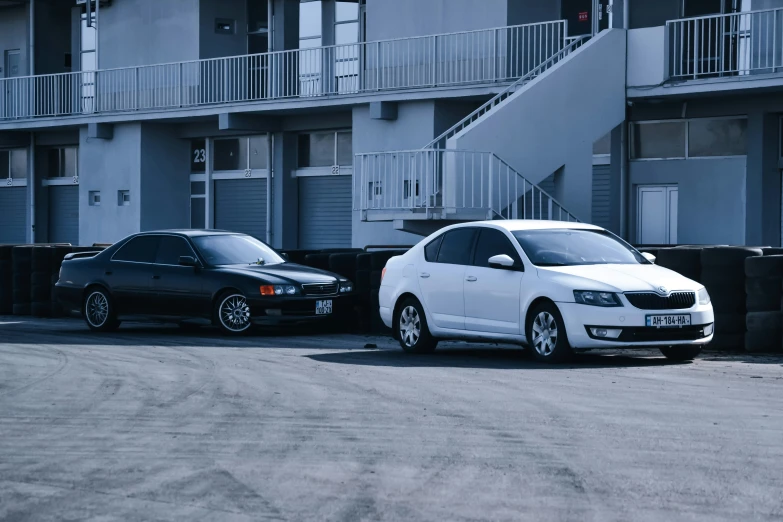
x,y
471,278
424,275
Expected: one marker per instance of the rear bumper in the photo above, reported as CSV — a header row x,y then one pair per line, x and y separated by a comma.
x,y
69,297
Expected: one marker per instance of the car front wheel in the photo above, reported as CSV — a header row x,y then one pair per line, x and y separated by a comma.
x,y
412,329
99,311
232,314
546,334
681,353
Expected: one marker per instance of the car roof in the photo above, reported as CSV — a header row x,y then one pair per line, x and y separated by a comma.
x,y
530,224
190,232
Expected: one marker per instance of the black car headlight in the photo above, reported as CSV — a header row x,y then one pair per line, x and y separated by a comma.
x,y
591,298
278,290
346,286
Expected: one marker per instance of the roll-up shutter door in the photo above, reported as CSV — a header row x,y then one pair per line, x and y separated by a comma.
x,y
13,218
240,206
602,204
64,214
325,214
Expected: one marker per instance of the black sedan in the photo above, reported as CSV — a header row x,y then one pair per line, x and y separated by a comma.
x,y
197,277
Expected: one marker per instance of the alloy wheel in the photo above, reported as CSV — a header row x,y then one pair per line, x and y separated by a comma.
x,y
97,309
410,326
235,313
544,334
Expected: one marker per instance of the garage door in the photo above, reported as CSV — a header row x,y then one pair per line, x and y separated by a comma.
x,y
13,218
601,197
64,214
240,206
325,212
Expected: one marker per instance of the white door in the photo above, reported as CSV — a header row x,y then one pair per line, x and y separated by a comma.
x,y
491,294
657,214
442,281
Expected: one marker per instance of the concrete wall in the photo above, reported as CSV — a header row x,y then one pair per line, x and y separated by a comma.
x,y
165,179
13,35
141,32
712,197
647,56
214,45
405,18
644,13
109,166
553,121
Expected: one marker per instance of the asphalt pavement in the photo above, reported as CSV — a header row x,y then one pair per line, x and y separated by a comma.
x,y
150,423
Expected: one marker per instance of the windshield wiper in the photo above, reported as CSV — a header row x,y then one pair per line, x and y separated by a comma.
x,y
552,264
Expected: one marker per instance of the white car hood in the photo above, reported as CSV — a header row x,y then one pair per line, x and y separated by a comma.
x,y
619,278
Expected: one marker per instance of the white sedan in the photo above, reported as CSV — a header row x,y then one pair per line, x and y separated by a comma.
x,y
554,286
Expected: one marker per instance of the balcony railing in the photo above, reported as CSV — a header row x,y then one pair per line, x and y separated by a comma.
x,y
447,181
734,44
474,57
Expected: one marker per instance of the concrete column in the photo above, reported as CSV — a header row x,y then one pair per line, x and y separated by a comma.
x,y
286,25
286,192
574,182
617,193
762,181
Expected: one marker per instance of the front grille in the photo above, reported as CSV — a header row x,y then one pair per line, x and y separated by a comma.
x,y
319,289
652,301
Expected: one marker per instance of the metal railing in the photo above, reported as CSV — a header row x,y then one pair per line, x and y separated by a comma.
x,y
492,55
448,181
726,45
572,44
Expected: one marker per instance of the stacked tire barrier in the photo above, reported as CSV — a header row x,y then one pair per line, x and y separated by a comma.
x,y
21,262
683,260
6,280
723,274
41,282
764,290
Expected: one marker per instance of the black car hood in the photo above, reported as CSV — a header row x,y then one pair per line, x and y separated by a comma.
x,y
282,273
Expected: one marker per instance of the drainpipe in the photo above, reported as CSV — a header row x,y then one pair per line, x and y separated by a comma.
x,y
31,158
269,212
624,190
97,34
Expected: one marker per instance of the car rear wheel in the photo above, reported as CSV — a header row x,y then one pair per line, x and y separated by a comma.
x,y
99,311
412,329
681,353
232,314
546,334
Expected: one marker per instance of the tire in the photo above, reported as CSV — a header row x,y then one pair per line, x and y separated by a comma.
x,y
729,323
763,294
684,261
320,261
681,353
411,328
98,309
728,342
731,258
768,266
763,321
343,264
378,259
232,314
364,262
41,309
763,341
375,280
546,317
21,309
41,259
40,279
362,281
727,300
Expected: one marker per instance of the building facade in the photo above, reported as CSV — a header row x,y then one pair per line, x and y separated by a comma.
x,y
326,124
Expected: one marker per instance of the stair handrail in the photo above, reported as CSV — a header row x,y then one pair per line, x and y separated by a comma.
x,y
574,42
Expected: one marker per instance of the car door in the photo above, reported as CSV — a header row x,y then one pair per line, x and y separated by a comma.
x,y
129,275
492,295
441,276
178,289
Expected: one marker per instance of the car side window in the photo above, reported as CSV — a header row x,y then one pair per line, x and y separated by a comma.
x,y
456,247
171,249
431,250
141,249
490,243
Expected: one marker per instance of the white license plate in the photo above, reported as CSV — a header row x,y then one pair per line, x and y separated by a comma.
x,y
323,307
668,321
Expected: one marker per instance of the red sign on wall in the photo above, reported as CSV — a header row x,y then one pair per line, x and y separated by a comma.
x,y
583,16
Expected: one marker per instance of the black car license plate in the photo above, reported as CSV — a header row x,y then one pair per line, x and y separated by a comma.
x,y
323,307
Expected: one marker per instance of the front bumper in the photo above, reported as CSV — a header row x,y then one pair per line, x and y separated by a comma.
x,y
293,310
579,319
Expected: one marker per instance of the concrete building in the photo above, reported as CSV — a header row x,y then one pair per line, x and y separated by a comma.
x,y
318,124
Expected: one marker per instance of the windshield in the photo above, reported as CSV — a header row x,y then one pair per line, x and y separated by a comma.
x,y
235,249
568,247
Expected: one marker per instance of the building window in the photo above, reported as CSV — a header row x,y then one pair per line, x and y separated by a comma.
x,y
240,154
13,164
62,162
684,139
346,36
88,61
310,40
123,198
94,198
325,149
310,19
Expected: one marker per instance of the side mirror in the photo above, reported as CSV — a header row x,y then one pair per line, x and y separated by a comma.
x,y
188,261
649,257
503,262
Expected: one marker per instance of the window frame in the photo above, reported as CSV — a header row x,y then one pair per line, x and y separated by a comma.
x,y
335,168
686,122
247,172
471,248
182,238
128,242
439,239
10,180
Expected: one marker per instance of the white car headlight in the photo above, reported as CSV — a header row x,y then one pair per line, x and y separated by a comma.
x,y
606,299
703,296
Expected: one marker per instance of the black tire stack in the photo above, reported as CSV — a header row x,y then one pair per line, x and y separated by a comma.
x,y
723,274
21,263
363,292
41,282
764,288
683,260
344,264
58,254
6,280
